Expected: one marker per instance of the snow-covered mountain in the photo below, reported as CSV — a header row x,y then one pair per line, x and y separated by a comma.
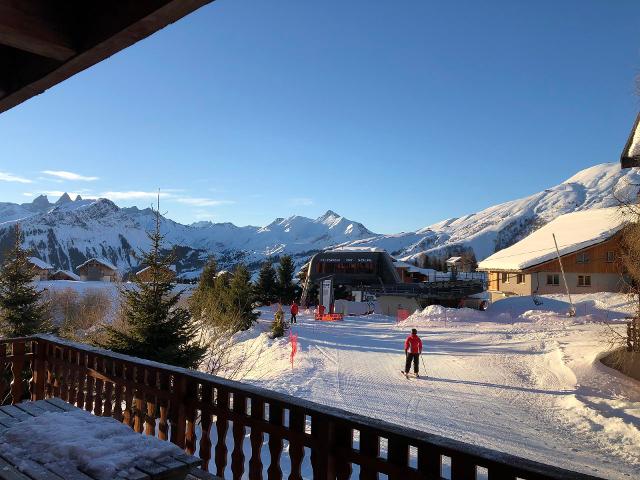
x,y
68,232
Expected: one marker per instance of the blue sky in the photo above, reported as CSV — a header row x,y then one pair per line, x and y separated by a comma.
x,y
396,114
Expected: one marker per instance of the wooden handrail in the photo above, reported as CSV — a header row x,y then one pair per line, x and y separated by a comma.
x,y
169,402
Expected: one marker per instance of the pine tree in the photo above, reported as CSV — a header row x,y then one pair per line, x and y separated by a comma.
x,y
239,298
206,284
155,327
285,286
265,287
22,310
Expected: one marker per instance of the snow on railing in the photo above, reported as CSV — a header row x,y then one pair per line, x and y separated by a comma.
x,y
194,410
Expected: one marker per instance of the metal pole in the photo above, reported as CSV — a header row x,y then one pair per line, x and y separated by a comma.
x,y
572,311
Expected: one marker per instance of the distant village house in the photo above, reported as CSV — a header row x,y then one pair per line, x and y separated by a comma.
x,y
459,265
41,269
146,274
96,270
65,275
588,242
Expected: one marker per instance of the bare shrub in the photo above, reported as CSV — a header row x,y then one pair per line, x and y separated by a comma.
x,y
77,315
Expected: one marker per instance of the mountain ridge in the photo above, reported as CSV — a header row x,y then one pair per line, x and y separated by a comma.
x,y
67,232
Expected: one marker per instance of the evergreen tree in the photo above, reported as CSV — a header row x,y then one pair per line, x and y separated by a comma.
x,y
155,327
285,287
265,287
239,298
22,310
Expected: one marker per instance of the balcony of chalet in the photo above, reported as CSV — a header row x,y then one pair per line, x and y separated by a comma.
x,y
239,430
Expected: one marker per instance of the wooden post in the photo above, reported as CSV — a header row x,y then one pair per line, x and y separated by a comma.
x,y
38,349
16,369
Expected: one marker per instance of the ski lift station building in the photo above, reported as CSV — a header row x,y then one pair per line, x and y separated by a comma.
x,y
588,245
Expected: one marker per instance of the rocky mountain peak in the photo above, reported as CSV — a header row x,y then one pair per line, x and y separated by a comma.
x,y
65,198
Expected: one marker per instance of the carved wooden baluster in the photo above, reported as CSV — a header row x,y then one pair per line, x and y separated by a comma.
x,y
257,438
190,416
118,375
462,467
67,374
88,399
108,388
502,472
177,412
99,386
16,370
55,371
151,380
343,443
222,426
82,378
237,456
320,454
276,417
296,445
369,448
4,364
38,368
205,423
138,399
398,454
429,461
72,358
128,396
163,426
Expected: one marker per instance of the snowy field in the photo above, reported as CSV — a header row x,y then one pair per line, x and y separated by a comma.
x,y
519,378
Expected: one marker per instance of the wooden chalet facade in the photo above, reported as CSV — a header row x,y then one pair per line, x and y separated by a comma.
x,y
40,269
95,270
592,265
592,269
64,275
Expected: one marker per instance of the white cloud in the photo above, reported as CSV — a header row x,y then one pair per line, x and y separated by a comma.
x,y
302,201
203,202
133,195
7,177
68,175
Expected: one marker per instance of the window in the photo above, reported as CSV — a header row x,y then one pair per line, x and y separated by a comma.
x,y
504,277
584,280
553,279
520,278
611,257
582,258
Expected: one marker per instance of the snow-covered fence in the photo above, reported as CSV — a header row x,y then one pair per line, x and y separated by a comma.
x,y
226,422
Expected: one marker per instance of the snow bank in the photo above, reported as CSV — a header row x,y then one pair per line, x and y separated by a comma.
x,y
101,446
602,306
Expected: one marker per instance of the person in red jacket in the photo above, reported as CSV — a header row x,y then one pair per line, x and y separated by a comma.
x,y
412,350
294,312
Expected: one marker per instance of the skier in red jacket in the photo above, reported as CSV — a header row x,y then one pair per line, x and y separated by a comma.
x,y
294,312
412,349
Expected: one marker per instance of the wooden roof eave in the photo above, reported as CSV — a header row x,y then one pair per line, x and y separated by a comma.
x,y
40,47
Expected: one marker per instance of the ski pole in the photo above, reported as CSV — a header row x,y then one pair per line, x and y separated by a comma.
x,y
423,366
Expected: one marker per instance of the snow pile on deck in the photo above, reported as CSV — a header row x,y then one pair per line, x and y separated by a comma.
x,y
573,231
100,446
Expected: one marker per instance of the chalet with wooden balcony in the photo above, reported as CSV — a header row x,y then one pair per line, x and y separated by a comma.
x,y
588,248
97,270
41,269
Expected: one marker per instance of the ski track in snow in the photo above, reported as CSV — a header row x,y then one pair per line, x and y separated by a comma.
x,y
529,387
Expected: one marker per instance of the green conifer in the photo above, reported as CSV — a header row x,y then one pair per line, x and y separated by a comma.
x,y
155,327
22,310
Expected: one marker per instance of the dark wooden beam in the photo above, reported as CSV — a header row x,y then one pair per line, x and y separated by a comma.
x,y
33,33
99,29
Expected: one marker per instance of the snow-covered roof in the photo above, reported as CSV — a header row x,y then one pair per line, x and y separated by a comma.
x,y
357,249
573,231
413,269
452,260
171,267
35,261
102,262
631,155
68,274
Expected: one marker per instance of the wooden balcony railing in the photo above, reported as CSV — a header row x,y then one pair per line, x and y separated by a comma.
x,y
190,409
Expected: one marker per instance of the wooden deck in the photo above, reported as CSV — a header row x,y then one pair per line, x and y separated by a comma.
x,y
176,404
